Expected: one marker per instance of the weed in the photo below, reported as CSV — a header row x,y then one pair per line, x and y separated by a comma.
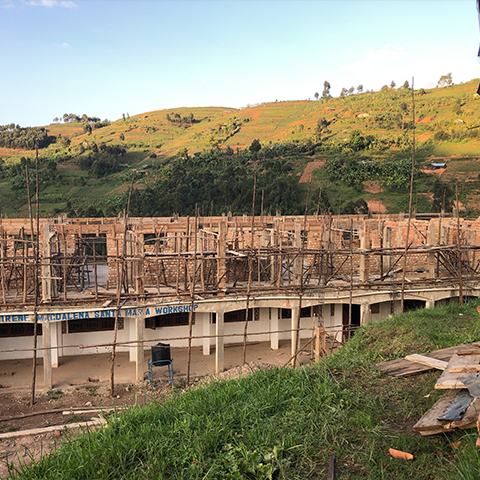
x,y
54,395
92,391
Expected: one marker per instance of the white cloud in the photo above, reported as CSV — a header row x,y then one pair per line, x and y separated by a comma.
x,y
51,3
8,4
64,45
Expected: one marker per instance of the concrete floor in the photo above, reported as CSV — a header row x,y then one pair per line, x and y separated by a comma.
x,y
81,370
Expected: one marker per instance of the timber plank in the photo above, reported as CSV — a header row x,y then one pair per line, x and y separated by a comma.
x,y
452,380
428,361
465,369
404,368
430,425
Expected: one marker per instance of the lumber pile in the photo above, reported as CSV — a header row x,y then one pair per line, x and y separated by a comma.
x,y
458,408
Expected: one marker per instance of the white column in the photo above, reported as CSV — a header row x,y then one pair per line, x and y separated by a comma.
x,y
47,356
364,314
139,349
130,326
206,331
274,329
430,303
54,342
295,316
219,352
59,339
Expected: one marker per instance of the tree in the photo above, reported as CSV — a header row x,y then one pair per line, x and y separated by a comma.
x,y
392,84
255,146
360,88
351,90
422,91
445,80
326,90
122,137
441,192
316,95
406,85
384,88
123,115
343,92
87,128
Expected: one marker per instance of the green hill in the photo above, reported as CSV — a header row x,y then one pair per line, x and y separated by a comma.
x,y
89,169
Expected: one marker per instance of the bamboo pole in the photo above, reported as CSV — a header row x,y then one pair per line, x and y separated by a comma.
x,y
459,253
119,291
192,292
402,302
35,279
245,327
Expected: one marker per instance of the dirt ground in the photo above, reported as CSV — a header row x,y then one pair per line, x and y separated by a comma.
x,y
82,383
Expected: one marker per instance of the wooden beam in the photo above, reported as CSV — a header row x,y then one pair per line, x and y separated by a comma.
x,y
428,361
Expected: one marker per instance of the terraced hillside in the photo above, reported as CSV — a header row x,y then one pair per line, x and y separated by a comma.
x,y
90,168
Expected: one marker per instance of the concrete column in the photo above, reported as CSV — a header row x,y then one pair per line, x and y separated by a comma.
x,y
206,331
387,242
297,262
364,261
219,351
431,256
430,303
132,335
45,262
47,356
274,329
365,314
295,318
139,350
139,266
59,339
221,261
54,343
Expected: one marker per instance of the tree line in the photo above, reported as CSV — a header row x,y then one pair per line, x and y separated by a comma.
x,y
27,138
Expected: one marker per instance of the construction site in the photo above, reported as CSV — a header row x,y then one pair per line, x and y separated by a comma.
x,y
76,287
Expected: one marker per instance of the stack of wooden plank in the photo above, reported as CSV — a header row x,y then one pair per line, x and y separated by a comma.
x,y
461,368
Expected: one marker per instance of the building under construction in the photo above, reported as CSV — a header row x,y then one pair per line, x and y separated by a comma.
x,y
207,281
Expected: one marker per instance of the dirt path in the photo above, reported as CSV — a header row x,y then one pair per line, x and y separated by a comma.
x,y
311,166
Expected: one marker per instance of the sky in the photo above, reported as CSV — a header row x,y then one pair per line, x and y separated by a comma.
x,y
109,57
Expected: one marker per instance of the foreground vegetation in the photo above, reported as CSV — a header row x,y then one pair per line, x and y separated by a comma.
x,y
286,423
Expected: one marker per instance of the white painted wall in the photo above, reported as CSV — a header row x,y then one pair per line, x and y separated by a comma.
x,y
19,343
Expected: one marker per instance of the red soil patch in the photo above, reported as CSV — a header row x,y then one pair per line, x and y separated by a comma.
x,y
311,166
372,187
437,171
376,206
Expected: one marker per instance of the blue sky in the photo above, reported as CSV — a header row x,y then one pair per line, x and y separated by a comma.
x,y
105,58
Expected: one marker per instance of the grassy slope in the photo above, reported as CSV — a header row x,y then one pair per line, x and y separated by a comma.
x,y
286,423
277,122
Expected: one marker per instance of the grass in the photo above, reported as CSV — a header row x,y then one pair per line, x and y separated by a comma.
x,y
286,423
